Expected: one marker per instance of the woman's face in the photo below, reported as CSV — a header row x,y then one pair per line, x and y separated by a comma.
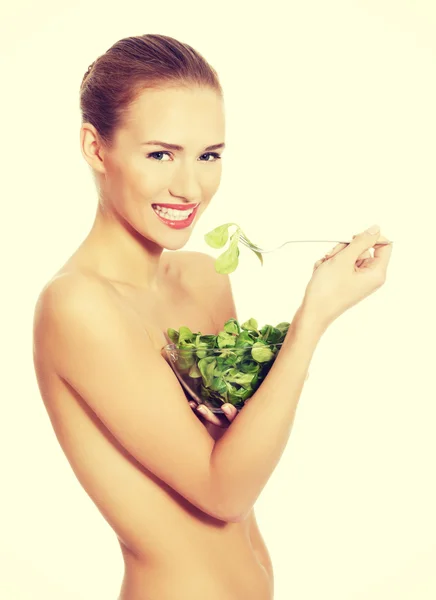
x,y
140,172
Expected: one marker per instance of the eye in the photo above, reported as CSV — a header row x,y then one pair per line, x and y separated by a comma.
x,y
214,154
153,154
158,156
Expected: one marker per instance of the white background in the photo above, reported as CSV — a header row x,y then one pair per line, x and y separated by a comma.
x,y
331,127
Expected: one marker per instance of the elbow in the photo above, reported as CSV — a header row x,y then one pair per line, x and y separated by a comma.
x,y
226,506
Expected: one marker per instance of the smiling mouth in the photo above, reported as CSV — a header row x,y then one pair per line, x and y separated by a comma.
x,y
176,219
174,214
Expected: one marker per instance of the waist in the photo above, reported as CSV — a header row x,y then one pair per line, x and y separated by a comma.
x,y
205,574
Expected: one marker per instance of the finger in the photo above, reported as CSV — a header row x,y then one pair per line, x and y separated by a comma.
x,y
192,404
230,411
365,255
382,241
209,416
365,258
364,241
329,254
382,255
335,249
318,262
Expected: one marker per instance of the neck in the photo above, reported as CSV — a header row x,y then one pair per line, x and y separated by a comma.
x,y
120,254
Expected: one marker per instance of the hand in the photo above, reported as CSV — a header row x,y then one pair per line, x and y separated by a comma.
x,y
346,275
216,425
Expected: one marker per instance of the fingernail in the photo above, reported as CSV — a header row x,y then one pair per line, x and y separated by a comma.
x,y
227,410
202,409
373,229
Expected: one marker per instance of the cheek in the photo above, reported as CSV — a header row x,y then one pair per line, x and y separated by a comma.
x,y
114,189
211,183
122,184
147,184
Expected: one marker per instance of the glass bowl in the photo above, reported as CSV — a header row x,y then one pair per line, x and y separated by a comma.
x,y
215,376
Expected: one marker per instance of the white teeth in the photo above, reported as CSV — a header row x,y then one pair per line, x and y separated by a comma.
x,y
176,215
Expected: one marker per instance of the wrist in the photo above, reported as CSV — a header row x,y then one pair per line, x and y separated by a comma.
x,y
308,323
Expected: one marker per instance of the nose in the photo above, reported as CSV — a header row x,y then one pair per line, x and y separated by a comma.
x,y
185,184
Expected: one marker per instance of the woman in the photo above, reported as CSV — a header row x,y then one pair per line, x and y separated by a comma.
x,y
177,490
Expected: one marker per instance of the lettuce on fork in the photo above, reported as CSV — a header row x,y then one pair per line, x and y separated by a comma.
x,y
218,238
230,366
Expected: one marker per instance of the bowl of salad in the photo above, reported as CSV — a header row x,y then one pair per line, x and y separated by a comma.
x,y
228,367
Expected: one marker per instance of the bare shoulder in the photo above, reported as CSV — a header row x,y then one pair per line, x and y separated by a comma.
x,y
198,263
199,270
69,293
68,287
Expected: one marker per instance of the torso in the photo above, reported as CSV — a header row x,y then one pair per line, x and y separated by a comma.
x,y
171,549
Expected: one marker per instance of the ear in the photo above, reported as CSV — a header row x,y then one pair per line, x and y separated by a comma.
x,y
91,147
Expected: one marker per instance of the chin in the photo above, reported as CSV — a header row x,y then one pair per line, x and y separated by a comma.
x,y
174,244
173,240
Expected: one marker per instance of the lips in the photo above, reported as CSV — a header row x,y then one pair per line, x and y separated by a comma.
x,y
176,223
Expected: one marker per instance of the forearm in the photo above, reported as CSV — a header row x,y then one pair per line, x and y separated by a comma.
x,y
244,458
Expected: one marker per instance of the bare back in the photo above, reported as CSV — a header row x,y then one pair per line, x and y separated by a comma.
x,y
171,549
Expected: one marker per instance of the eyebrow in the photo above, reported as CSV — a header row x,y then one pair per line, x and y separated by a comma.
x,y
177,147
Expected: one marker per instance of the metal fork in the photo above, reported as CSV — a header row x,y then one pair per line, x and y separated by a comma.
x,y
255,248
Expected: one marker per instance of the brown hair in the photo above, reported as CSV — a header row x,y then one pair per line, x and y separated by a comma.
x,y
115,79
